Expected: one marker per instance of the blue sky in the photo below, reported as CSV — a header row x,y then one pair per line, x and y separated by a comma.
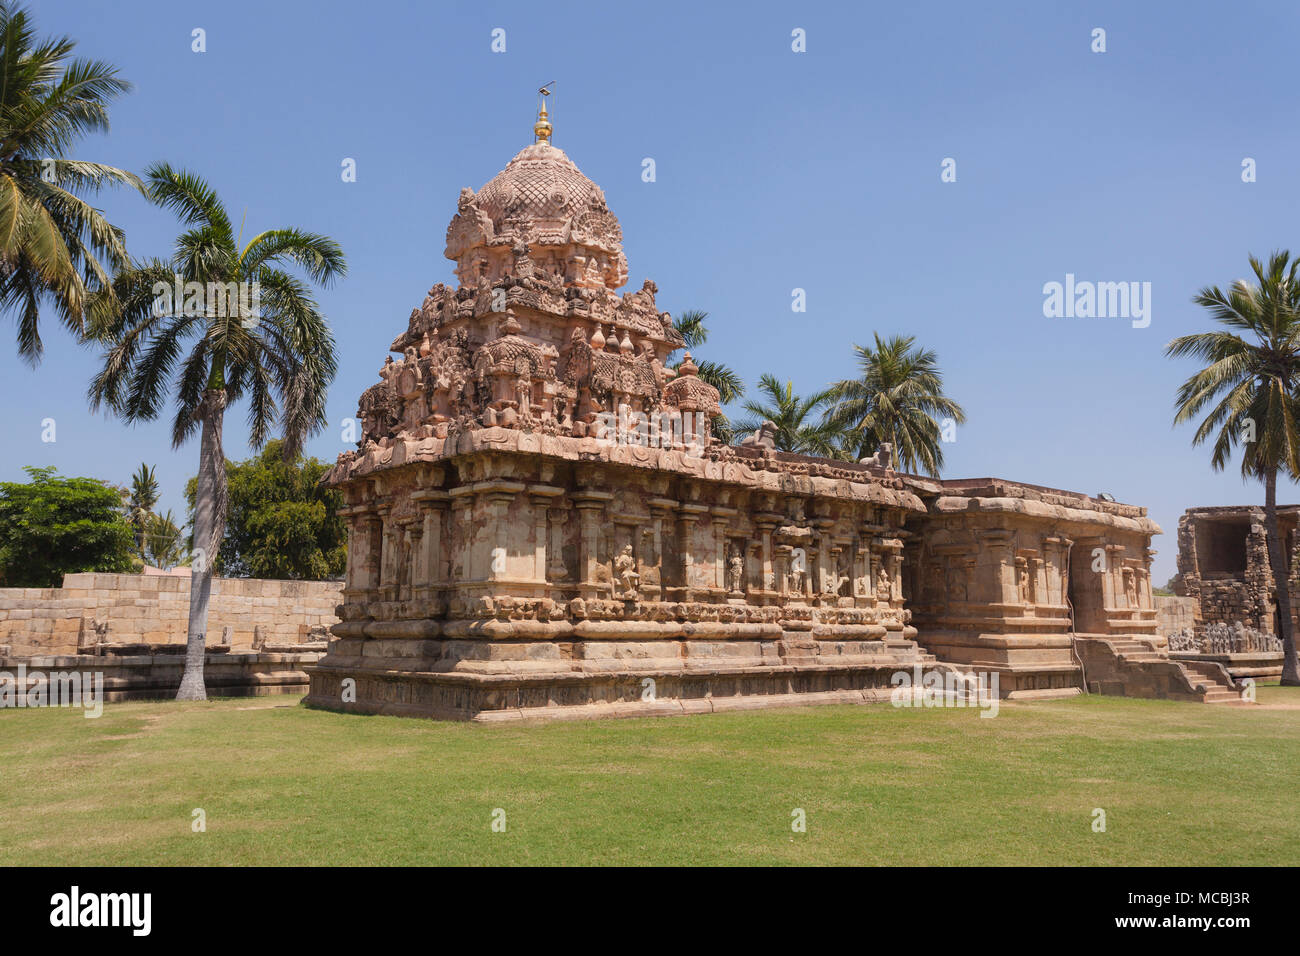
x,y
775,170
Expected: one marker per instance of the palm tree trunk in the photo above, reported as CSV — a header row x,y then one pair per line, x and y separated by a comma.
x,y
209,527
1281,580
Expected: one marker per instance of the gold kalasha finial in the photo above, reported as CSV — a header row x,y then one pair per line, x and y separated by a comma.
x,y
542,128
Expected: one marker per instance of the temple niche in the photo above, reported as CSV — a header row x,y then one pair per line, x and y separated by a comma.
x,y
541,522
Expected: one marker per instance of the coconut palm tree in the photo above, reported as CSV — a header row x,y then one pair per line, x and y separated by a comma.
x,y
144,495
51,238
1251,375
252,330
898,398
791,415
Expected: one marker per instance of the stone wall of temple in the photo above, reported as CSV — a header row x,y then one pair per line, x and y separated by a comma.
x,y
154,609
560,558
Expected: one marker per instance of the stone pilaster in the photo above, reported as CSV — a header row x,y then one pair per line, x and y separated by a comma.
x,y
720,518
501,533
387,554
687,519
591,509
541,497
434,504
999,545
766,523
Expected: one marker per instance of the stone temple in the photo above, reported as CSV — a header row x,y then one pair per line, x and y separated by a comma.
x,y
542,524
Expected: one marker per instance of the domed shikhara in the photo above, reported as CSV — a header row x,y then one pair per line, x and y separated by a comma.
x,y
535,335
543,206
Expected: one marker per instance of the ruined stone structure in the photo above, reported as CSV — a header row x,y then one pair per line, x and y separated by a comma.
x,y
1223,565
1224,569
1174,615
541,523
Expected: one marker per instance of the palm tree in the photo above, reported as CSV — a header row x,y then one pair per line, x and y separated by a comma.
x,y
896,399
144,495
166,547
51,239
790,414
1251,373
263,338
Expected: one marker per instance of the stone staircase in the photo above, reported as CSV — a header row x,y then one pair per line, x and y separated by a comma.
x,y
1220,688
1130,667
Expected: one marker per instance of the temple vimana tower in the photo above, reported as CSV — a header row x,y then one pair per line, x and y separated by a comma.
x,y
542,524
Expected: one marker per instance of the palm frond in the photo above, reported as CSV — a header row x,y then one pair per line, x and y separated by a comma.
x,y
51,241
189,196
319,256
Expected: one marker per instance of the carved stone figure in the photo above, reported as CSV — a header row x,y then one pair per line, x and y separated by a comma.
x,y
794,581
625,571
736,572
883,458
764,437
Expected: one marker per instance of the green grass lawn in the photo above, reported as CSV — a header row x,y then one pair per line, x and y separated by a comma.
x,y
280,784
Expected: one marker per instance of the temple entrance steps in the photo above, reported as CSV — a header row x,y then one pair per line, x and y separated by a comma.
x,y
1131,650
1222,689
1028,666
1131,667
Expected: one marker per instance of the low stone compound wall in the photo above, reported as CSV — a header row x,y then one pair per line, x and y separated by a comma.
x,y
154,609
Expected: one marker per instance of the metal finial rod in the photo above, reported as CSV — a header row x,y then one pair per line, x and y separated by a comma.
x,y
542,128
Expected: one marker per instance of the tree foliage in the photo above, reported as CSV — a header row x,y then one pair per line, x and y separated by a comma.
x,y
281,522
52,526
690,324
164,542
144,496
1251,371
280,355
